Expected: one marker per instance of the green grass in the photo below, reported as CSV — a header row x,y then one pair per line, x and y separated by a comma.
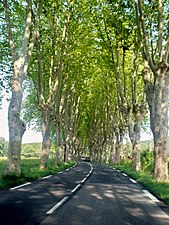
x,y
159,189
29,171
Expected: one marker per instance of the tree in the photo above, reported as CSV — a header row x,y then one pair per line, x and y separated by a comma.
x,y
151,18
21,53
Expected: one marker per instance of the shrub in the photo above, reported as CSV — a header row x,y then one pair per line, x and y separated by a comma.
x,y
147,161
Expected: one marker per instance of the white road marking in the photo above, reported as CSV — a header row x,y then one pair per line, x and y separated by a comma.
x,y
133,181
91,171
20,186
82,181
152,197
124,174
74,165
60,172
57,205
46,177
74,189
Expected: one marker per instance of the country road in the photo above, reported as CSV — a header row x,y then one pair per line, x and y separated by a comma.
x,y
88,194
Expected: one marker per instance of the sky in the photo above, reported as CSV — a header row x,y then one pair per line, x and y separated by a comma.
x,y
29,136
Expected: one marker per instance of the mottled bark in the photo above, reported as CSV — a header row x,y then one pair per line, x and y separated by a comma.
x,y
46,142
16,128
59,142
112,153
112,148
136,147
161,123
157,98
118,146
135,134
149,90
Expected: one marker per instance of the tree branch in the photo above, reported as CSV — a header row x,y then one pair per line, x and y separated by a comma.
x,y
35,34
26,36
166,55
10,36
145,35
139,30
160,29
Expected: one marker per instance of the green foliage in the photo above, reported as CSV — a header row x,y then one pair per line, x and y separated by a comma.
x,y
29,171
31,150
30,112
3,147
147,161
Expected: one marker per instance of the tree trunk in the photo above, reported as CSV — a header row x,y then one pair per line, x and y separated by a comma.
x,y
59,142
16,128
136,147
65,153
46,142
160,131
157,98
118,146
158,87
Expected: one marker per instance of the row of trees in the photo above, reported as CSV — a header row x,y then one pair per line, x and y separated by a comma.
x,y
90,69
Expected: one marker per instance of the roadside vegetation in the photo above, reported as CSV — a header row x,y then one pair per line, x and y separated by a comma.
x,y
145,176
29,171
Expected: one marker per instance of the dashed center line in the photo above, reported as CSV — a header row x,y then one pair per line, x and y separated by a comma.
x,y
57,205
72,191
75,189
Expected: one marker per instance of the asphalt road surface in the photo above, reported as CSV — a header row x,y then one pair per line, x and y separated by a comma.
x,y
84,195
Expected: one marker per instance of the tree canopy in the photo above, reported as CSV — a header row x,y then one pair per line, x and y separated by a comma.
x,y
88,68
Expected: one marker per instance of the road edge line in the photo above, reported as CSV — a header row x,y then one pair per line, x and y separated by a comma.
x,y
22,185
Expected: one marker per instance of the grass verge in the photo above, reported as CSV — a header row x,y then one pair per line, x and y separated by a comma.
x,y
29,171
159,189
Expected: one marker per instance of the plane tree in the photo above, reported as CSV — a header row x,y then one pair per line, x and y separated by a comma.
x,y
153,36
22,22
